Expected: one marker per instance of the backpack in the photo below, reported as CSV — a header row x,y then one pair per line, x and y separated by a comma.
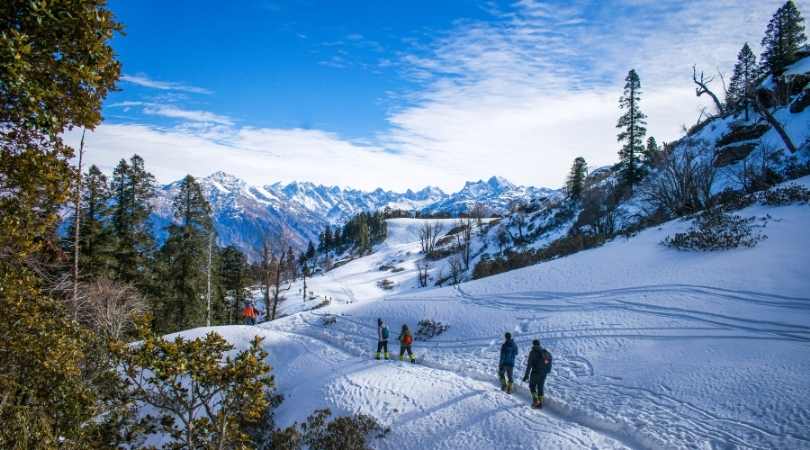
x,y
385,332
407,339
547,359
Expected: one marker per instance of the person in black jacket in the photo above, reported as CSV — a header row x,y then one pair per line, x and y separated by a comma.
x,y
538,366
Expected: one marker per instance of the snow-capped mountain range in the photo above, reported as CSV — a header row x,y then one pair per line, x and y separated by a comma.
x,y
244,214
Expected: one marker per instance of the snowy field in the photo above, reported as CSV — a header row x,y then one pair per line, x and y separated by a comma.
x,y
654,348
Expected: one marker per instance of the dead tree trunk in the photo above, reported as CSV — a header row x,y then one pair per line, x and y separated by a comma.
x,y
763,111
703,88
76,232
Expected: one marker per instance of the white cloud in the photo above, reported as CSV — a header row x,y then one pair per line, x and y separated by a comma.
x,y
520,96
523,96
145,81
187,114
258,155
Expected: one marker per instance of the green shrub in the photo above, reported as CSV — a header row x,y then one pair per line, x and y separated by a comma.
x,y
715,230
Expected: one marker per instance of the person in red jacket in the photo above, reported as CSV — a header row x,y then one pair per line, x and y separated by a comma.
x,y
250,314
405,342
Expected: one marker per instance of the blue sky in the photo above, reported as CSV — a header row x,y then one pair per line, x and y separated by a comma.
x,y
404,94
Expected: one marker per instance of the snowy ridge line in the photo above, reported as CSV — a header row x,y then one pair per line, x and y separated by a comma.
x,y
559,411
654,406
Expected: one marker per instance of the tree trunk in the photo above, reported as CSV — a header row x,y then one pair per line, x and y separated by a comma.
x,y
775,124
76,233
208,289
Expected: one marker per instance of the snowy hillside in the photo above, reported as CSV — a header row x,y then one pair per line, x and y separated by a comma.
x,y
243,213
654,347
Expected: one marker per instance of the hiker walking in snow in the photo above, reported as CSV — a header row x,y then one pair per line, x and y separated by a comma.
x,y
405,341
382,339
538,366
250,314
509,351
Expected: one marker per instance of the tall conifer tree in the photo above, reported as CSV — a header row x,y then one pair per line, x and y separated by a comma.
x,y
632,124
185,256
742,80
575,184
133,189
784,36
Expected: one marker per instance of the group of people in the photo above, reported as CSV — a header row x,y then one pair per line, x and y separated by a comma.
x,y
405,339
538,364
537,367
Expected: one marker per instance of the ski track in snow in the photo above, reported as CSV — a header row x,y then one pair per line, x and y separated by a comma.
x,y
687,423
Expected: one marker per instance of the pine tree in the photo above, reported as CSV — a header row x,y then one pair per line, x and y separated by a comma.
x,y
185,254
327,239
363,238
632,135
132,188
784,36
96,242
233,276
742,80
651,152
576,179
310,254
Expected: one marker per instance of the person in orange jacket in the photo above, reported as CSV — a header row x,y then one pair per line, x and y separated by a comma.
x,y
250,314
405,342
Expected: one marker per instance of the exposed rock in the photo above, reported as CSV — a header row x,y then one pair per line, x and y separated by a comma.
x,y
743,133
730,154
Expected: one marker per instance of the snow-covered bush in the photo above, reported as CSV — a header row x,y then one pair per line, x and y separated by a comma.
x,y
329,320
787,195
385,284
427,329
715,230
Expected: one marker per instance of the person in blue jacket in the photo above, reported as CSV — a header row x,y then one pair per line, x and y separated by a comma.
x,y
382,339
509,351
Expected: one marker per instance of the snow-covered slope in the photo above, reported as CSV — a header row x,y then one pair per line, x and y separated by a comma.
x,y
653,347
496,195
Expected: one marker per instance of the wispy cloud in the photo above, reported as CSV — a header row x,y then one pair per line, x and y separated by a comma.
x,y
525,93
145,81
258,155
187,114
519,94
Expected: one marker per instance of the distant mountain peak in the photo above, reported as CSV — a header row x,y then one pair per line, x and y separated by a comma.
x,y
244,213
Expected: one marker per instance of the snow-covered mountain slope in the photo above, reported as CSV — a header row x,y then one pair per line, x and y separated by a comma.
x,y
654,347
243,214
497,195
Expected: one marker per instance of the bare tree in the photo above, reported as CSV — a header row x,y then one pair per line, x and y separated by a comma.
x,y
772,121
703,88
77,224
456,266
478,213
464,239
429,234
684,183
518,220
423,267
754,175
274,279
109,307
